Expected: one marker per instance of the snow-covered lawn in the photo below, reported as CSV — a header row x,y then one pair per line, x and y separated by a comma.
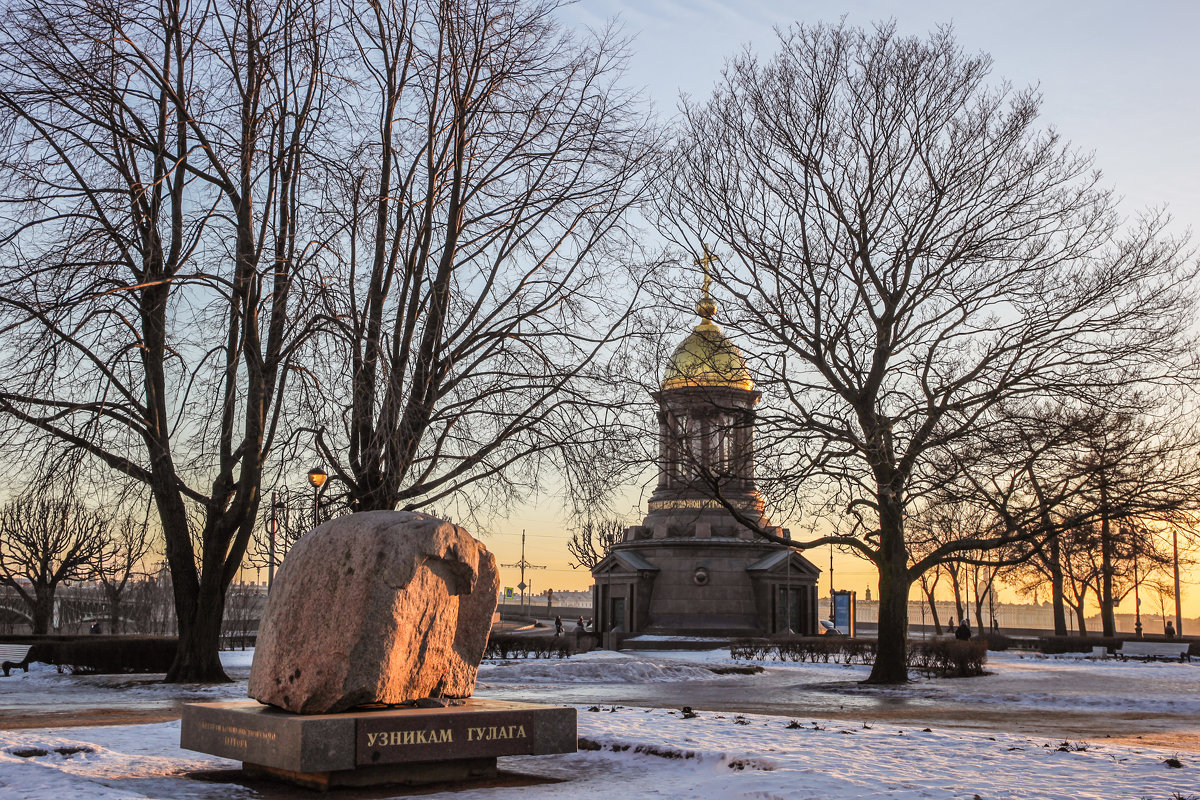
x,y
656,752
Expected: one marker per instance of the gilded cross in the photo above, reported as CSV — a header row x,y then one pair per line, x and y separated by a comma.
x,y
703,263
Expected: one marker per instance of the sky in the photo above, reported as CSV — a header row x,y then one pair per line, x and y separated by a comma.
x,y
1118,80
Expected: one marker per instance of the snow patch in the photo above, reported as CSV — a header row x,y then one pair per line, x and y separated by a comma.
x,y
581,670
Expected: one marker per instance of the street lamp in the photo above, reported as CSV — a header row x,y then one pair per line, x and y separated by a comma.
x,y
277,505
1175,553
788,592
1137,597
317,477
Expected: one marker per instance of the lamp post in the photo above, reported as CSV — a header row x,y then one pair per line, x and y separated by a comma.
x,y
832,609
1175,552
1137,598
277,505
272,529
317,477
788,593
992,599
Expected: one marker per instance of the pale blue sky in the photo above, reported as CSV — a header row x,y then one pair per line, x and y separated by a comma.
x,y
1119,79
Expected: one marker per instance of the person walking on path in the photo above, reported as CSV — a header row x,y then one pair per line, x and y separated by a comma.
x,y
963,632
558,626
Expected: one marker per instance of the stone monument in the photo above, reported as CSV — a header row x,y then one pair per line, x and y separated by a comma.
x,y
694,567
366,661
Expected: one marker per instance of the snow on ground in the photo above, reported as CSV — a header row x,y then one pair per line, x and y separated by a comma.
x,y
45,688
107,763
598,666
657,753
1013,680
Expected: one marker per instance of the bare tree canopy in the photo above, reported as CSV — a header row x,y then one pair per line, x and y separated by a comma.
x,y
906,251
478,295
120,561
1083,480
591,543
153,161
47,539
233,233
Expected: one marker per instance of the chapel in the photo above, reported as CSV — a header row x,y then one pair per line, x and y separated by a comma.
x,y
695,566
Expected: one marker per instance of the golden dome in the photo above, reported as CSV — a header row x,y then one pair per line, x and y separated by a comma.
x,y
707,358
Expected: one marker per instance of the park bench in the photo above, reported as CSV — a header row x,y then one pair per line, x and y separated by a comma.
x,y
14,655
1150,651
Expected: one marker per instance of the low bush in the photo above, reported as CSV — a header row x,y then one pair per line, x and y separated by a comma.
x,y
941,657
948,658
105,655
505,646
997,641
814,649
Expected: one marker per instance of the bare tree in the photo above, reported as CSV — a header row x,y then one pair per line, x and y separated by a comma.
x,y
591,543
151,601
945,517
120,561
154,163
929,581
906,252
480,296
1099,477
1137,469
1042,450
1179,539
1083,571
45,541
291,515
243,608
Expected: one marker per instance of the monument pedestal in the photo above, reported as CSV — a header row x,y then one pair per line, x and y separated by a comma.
x,y
366,748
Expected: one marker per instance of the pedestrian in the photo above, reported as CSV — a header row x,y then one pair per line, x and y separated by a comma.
x,y
579,624
558,626
963,632
95,628
1170,630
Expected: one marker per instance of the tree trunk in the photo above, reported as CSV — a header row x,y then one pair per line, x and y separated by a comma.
x,y
41,611
115,624
895,580
979,598
1108,620
197,658
958,598
891,657
1081,619
928,589
1057,599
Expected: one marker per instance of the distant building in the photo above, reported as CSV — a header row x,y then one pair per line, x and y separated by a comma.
x,y
692,567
